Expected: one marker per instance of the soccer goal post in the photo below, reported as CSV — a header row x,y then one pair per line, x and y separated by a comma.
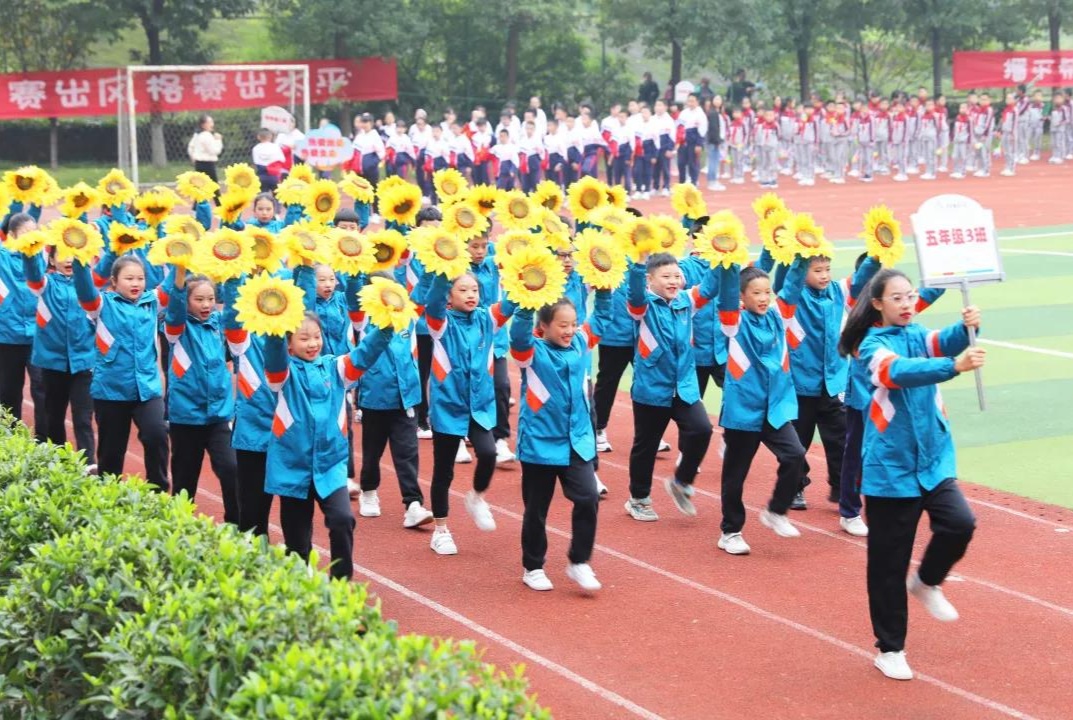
x,y
162,104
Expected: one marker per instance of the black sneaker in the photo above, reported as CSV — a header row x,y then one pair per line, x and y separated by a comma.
x,y
834,494
799,502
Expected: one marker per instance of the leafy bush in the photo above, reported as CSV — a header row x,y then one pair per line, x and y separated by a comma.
x,y
121,602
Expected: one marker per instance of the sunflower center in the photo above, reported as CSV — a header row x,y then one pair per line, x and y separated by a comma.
x,y
75,238
226,250
518,208
807,239
80,200
261,247
449,187
243,180
271,302
776,234
384,252
445,247
127,239
392,299
885,236
641,234
307,241
23,182
533,279
601,259
724,243
549,203
156,210
198,181
465,218
178,248
487,204
350,246
404,207
515,245
323,203
589,199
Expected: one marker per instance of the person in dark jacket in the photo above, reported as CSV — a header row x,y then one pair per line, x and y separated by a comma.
x,y
648,92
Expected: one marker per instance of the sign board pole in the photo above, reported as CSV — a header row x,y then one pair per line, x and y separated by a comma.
x,y
972,343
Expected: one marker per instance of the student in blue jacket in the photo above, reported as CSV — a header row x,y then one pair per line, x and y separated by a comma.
x,y
758,396
307,455
461,395
665,379
17,312
126,379
819,372
64,350
556,440
908,457
201,400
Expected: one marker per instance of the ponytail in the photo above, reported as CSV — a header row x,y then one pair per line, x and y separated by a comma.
x,y
864,315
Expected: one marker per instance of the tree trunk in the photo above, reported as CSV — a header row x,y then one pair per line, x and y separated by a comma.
x,y
1054,28
514,35
157,148
936,62
803,72
53,143
864,69
676,62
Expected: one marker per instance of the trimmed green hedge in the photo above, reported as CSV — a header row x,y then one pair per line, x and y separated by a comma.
x,y
120,602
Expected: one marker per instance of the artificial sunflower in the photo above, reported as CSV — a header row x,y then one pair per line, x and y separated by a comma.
x,y
772,235
75,240
349,252
551,223
322,201
670,233
154,207
5,198
270,306
224,254
441,251
387,304
390,182
357,187
549,195
29,185
617,196
767,204
610,218
28,243
450,185
515,212
124,238
465,220
883,236
78,200
196,186
302,172
232,205
514,241
637,237
687,201
116,188
600,260
533,278
484,197
292,191
584,197
807,238
400,204
557,242
241,178
305,242
183,225
723,241
387,247
173,197
267,250
177,250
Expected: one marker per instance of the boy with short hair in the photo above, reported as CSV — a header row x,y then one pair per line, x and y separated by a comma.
x,y
268,160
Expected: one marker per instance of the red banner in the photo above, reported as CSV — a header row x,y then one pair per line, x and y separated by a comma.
x,y
97,92
1041,68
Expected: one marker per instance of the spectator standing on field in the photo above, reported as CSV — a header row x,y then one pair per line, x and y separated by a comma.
x,y
648,92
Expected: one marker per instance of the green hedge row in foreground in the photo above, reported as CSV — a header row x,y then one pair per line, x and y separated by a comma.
x,y
119,602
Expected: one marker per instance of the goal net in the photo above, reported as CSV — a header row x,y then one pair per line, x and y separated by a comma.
x,y
161,106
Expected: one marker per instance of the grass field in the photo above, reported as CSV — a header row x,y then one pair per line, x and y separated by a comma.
x,y
1023,442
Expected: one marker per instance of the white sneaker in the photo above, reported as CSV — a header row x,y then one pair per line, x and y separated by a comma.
x,y
369,504
737,181
979,173
91,469
1007,173
957,176
416,516
352,488
646,195
927,176
1034,156
442,543
424,433
901,177
838,181
664,446
854,173
894,665
537,580
601,489
665,192
478,509
583,575
641,509
779,523
933,599
734,544
854,526
718,187
682,496
463,457
602,445
503,454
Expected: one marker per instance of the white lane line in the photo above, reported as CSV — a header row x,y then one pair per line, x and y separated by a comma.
x,y
1026,348
1054,253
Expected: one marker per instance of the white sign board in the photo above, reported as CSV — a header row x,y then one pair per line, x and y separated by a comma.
x,y
325,148
682,91
276,119
955,242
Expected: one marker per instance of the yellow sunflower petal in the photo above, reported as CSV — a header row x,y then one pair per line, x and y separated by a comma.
x,y
196,186
515,241
268,250
232,205
292,191
883,236
224,254
400,204
242,178
123,238
183,225
305,241
391,182
484,197
450,184
723,240
78,200
387,247
464,219
610,218
806,237
767,204
357,187
322,201
617,197
639,236
441,251
349,252
600,260
670,233
154,207
116,189
177,250
28,243
687,201
532,277
548,195
514,211
387,304
29,185
773,230
270,306
302,172
585,196
74,239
